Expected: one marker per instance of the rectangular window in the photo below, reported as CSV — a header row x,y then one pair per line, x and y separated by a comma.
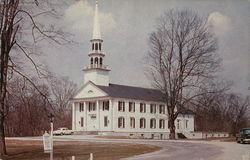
x,y
152,108
82,121
162,124
162,109
178,123
142,123
121,122
152,123
142,107
105,105
121,106
132,122
81,107
105,121
92,106
186,124
131,106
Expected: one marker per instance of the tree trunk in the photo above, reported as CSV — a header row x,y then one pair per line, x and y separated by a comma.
x,y
2,136
171,128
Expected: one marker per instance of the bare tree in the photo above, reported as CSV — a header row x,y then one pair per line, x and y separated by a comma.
x,y
209,106
62,90
26,116
182,58
21,31
230,110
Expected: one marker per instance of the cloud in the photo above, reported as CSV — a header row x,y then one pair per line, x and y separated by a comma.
x,y
79,17
221,23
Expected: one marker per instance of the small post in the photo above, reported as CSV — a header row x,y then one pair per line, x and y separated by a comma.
x,y
73,158
91,156
51,155
51,134
51,118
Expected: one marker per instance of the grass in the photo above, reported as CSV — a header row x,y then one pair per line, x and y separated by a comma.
x,y
33,150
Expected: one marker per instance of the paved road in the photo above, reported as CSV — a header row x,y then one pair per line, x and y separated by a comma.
x,y
176,149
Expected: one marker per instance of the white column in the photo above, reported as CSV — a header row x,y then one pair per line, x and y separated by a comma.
x,y
183,123
111,117
85,117
98,115
73,117
114,110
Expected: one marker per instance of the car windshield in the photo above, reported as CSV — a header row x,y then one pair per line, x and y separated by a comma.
x,y
247,131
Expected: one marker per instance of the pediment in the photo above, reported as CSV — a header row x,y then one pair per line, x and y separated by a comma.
x,y
89,90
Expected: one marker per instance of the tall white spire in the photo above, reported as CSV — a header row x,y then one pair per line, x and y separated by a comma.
x,y
97,72
96,27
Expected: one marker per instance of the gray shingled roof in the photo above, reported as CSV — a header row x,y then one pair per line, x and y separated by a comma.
x,y
131,92
122,91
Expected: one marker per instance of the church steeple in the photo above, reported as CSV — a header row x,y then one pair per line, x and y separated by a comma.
x,y
96,72
96,27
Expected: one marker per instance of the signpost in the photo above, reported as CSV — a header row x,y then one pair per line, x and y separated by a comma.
x,y
48,138
47,142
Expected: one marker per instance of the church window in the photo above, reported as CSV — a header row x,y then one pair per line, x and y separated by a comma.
x,y
131,106
152,108
121,106
96,46
132,122
92,106
161,123
178,123
162,109
142,107
91,60
105,121
121,122
152,123
186,124
82,121
100,46
142,123
101,61
96,60
93,46
105,105
81,107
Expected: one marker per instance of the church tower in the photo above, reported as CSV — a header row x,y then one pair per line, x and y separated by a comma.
x,y
96,72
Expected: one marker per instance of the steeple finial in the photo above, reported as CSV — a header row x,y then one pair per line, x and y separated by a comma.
x,y
96,27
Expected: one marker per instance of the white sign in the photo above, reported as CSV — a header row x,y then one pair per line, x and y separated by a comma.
x,y
47,142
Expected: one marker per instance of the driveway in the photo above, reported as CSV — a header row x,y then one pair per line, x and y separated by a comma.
x,y
175,149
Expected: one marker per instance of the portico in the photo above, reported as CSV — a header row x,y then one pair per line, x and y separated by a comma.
x,y
90,113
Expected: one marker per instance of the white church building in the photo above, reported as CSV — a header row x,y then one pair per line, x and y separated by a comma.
x,y
103,108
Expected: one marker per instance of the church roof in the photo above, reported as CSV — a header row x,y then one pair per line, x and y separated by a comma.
x,y
131,92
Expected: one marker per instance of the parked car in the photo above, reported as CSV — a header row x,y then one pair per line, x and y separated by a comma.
x,y
243,136
62,131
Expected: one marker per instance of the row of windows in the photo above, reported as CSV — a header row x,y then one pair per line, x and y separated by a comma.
x,y
121,123
96,47
96,60
142,123
92,106
121,107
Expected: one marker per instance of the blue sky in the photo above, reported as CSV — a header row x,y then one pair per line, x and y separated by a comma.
x,y
126,25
